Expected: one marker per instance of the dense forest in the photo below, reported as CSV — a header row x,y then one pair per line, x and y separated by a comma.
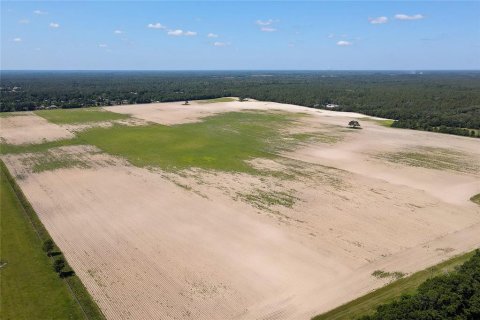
x,y
451,296
439,101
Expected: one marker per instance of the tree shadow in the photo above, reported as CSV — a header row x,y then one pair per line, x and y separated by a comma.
x,y
55,253
66,274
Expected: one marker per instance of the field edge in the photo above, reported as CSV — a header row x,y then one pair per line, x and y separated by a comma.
x,y
80,294
368,303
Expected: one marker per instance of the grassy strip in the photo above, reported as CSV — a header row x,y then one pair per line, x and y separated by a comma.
x,y
81,115
368,303
476,199
13,114
85,301
384,123
29,286
224,99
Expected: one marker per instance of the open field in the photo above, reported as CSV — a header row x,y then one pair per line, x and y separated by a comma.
x,y
241,210
30,288
75,116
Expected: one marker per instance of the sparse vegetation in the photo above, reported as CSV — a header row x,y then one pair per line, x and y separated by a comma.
x,y
263,199
433,158
385,274
46,161
318,137
6,148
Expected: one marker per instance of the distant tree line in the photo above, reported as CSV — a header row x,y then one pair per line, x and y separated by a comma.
x,y
447,102
455,295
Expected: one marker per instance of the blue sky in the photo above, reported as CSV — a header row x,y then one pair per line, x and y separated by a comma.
x,y
160,35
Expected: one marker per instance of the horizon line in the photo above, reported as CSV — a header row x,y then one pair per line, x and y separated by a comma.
x,y
200,70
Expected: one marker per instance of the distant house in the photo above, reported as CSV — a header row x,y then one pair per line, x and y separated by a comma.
x,y
331,106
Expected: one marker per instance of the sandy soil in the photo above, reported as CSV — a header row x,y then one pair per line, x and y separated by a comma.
x,y
30,128
191,245
176,112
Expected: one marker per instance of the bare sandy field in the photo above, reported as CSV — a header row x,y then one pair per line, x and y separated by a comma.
x,y
30,128
198,244
171,113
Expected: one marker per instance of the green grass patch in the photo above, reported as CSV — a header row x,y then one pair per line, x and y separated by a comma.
x,y
433,158
476,199
368,303
80,115
317,137
222,142
30,288
224,99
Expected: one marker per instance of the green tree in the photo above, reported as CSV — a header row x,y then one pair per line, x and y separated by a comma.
x,y
48,247
354,124
58,265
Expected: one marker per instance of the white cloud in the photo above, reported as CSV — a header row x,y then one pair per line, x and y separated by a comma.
x,y
330,36
40,12
343,43
268,29
264,23
220,44
118,31
180,32
212,35
175,33
378,20
17,39
156,25
102,45
402,16
54,25
24,21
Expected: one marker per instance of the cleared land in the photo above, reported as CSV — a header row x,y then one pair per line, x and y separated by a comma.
x,y
247,209
29,128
